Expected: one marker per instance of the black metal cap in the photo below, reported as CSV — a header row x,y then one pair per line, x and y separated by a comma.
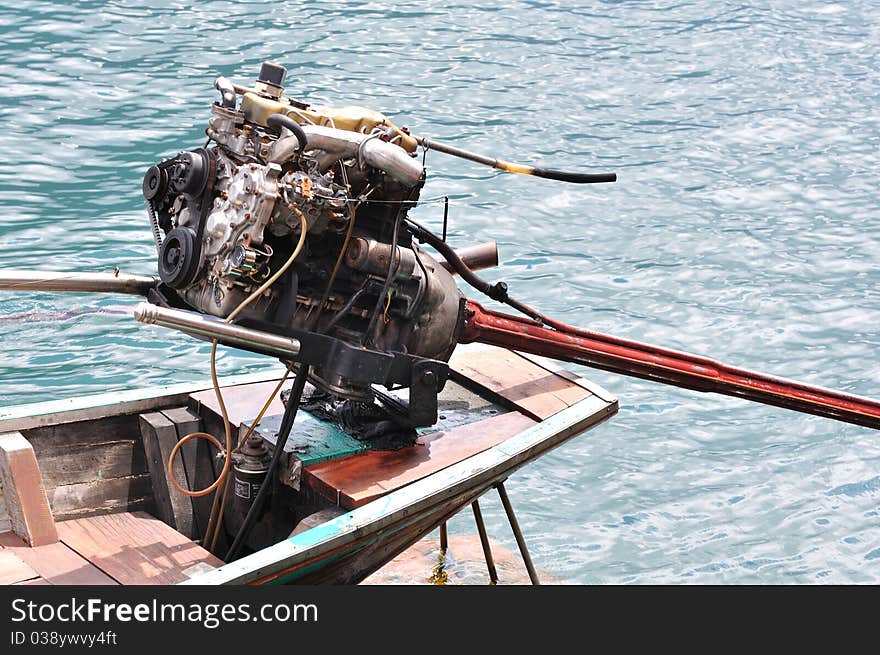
x,y
272,74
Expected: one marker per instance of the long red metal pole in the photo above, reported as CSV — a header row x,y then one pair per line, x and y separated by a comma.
x,y
571,344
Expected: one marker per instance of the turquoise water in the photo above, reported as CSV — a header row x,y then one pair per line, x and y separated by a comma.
x,y
744,226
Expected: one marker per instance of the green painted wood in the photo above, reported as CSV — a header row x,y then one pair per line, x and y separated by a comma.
x,y
312,440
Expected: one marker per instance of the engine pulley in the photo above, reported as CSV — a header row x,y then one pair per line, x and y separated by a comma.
x,y
179,258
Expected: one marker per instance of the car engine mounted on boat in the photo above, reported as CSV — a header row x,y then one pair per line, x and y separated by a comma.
x,y
318,195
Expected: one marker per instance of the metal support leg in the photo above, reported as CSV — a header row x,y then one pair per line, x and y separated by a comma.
x,y
444,539
523,549
484,539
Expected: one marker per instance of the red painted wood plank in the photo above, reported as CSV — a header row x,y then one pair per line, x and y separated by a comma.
x,y
134,548
56,563
358,479
531,388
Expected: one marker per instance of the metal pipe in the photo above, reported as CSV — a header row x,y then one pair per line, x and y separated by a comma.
x,y
388,157
227,92
476,257
484,540
28,280
215,328
520,541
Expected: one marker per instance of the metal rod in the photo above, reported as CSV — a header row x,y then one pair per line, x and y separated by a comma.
x,y
484,540
444,539
514,525
28,280
215,328
510,167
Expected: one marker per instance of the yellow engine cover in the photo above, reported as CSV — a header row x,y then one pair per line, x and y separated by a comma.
x,y
258,108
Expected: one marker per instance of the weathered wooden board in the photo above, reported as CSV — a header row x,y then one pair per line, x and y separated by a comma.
x,y
13,570
55,438
101,496
312,440
134,548
22,484
5,523
92,466
33,582
94,461
160,437
56,563
529,387
356,480
337,543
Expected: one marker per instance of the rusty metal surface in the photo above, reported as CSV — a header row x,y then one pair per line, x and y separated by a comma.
x,y
477,257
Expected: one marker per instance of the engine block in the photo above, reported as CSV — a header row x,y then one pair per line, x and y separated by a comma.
x,y
374,306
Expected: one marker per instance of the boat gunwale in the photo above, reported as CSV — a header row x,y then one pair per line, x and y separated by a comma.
x,y
115,403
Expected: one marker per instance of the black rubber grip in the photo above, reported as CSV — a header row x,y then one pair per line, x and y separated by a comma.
x,y
576,178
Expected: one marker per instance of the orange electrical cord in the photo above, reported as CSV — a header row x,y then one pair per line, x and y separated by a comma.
x,y
227,460
225,490
205,435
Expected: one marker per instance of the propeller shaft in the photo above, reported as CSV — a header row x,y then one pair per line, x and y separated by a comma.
x,y
658,364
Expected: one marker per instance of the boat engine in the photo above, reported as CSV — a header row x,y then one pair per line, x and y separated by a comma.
x,y
329,188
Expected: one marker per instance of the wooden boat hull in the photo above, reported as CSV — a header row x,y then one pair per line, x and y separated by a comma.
x,y
98,465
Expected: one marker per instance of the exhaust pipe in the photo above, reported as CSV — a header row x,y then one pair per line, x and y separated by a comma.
x,y
477,257
228,334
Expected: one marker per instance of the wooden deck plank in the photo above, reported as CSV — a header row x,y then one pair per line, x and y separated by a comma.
x,y
55,563
356,480
33,581
134,548
529,387
13,569
243,402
